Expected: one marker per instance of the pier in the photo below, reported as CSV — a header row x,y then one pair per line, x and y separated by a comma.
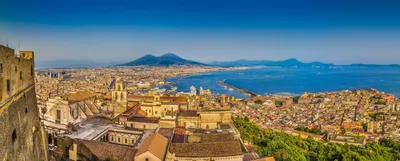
x,y
252,94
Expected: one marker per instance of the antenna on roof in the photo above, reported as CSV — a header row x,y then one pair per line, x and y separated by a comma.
x,y
6,41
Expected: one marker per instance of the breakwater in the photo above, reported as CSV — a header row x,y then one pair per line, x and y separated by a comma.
x,y
245,91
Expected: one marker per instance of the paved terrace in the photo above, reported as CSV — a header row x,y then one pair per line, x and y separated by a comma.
x,y
88,131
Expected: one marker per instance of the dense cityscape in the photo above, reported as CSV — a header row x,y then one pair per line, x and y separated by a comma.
x,y
134,113
181,80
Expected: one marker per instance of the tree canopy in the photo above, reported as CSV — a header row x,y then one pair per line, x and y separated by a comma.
x,y
313,130
283,146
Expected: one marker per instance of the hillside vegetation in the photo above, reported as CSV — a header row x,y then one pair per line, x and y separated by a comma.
x,y
287,147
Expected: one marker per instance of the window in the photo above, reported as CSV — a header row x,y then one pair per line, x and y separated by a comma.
x,y
58,116
14,136
119,140
8,85
112,138
126,141
1,68
32,70
16,69
33,140
147,159
66,150
55,142
20,75
156,112
207,127
26,110
144,126
133,141
49,138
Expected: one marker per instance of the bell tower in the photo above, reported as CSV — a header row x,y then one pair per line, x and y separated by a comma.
x,y
120,96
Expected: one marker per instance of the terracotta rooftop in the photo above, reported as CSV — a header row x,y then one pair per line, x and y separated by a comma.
x,y
112,151
132,110
144,119
78,96
156,144
179,135
107,96
188,113
135,111
249,156
168,133
140,113
175,99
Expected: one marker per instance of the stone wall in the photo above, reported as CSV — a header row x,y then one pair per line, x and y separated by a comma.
x,y
16,72
22,136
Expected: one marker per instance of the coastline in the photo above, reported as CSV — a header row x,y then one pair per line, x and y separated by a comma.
x,y
291,82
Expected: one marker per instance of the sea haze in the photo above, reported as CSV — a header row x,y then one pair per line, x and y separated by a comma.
x,y
295,80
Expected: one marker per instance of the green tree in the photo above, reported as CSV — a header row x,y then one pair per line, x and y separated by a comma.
x,y
296,99
258,102
278,103
365,126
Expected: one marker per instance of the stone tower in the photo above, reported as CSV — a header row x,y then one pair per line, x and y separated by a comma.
x,y
120,96
22,136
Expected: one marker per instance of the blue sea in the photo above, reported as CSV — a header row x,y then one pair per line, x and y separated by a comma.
x,y
294,80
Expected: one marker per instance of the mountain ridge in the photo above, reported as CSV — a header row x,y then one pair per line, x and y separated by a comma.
x,y
291,62
281,63
172,59
166,59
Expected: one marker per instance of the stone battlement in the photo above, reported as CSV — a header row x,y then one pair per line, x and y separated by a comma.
x,y
16,72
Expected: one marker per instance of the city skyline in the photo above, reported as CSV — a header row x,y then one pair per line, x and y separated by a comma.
x,y
180,80
341,33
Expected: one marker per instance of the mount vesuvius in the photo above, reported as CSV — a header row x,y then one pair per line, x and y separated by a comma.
x,y
167,59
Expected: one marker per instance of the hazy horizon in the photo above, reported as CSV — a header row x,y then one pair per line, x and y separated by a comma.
x,y
339,32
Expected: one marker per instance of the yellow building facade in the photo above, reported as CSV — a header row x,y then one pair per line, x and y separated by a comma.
x,y
209,119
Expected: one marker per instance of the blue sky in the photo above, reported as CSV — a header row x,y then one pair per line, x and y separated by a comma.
x,y
336,31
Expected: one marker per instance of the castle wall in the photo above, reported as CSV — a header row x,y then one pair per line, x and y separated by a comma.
x,y
16,70
22,137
